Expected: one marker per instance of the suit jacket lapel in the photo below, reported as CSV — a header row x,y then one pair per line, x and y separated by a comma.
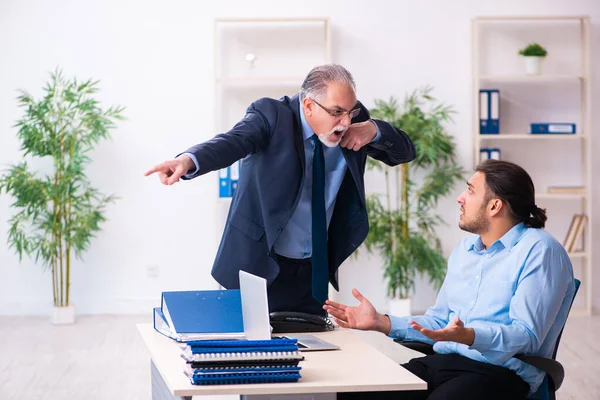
x,y
298,137
351,158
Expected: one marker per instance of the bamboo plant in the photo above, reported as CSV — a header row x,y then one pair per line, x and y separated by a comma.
x,y
57,212
403,220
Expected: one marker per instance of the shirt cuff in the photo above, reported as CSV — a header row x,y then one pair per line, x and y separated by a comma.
x,y
378,136
195,160
400,327
483,339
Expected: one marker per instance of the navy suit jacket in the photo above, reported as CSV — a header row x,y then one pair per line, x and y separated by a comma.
x,y
270,140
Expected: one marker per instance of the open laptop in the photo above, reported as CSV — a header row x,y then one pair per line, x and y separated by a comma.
x,y
255,312
312,343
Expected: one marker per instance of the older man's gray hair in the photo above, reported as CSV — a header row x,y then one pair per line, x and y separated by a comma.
x,y
315,83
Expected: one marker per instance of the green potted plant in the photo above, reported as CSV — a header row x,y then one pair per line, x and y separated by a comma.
x,y
534,55
57,212
403,220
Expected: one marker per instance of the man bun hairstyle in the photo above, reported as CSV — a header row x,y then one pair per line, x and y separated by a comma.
x,y
513,185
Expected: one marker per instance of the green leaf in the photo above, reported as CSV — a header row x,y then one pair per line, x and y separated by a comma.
x,y
57,213
403,220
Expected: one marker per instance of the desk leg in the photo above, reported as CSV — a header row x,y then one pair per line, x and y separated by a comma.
x,y
160,391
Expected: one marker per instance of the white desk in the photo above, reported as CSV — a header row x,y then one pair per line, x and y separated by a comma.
x,y
356,367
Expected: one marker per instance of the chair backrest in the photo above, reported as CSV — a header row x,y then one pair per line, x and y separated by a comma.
x,y
577,284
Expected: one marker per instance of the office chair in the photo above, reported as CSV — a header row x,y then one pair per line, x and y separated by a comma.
x,y
555,373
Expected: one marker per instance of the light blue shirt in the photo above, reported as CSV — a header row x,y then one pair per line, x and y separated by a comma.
x,y
516,296
295,241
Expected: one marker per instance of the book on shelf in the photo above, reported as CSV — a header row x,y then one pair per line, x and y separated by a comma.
x,y
575,234
566,189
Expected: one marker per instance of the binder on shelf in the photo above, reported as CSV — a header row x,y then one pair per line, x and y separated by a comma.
x,y
494,153
553,128
489,111
234,172
484,154
483,111
494,112
204,314
225,182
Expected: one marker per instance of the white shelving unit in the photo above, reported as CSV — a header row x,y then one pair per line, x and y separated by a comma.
x,y
562,93
257,58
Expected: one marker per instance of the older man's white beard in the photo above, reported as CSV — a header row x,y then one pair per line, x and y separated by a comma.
x,y
333,137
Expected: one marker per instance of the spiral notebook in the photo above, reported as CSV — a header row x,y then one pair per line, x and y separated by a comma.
x,y
242,356
241,363
241,370
243,378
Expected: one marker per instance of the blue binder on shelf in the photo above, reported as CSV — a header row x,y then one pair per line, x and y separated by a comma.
x,y
234,173
484,110
486,153
204,314
553,128
225,182
489,111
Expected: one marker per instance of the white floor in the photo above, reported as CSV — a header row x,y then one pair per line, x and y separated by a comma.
x,y
102,357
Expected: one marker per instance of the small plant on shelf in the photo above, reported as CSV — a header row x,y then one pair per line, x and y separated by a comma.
x,y
534,54
533,50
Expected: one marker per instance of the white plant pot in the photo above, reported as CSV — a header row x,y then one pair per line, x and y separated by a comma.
x,y
533,65
400,307
63,315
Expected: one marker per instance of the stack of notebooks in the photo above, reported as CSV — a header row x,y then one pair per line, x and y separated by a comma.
x,y
220,362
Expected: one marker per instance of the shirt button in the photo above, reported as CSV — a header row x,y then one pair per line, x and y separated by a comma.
x,y
472,302
477,277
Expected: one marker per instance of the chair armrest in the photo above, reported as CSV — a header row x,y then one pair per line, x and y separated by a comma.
x,y
421,347
553,368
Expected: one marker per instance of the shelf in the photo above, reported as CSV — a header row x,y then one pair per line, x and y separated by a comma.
x,y
531,78
539,18
531,136
560,196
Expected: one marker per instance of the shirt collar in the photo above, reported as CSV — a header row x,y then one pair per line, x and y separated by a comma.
x,y
508,240
307,131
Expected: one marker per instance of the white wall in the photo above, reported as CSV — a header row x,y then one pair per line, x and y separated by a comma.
x,y
155,58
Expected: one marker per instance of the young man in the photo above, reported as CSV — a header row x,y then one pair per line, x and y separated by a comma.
x,y
507,291
299,209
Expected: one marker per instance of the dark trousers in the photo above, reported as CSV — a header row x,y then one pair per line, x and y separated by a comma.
x,y
292,289
452,376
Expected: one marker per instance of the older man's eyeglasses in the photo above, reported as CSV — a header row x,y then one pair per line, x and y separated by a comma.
x,y
339,113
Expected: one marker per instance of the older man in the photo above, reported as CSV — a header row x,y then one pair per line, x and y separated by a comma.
x,y
299,209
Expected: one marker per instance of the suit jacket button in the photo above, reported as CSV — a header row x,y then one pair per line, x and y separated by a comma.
x,y
279,229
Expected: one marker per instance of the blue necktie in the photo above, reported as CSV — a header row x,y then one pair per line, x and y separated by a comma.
x,y
319,260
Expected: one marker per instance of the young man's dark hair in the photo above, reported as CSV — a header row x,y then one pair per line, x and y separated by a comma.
x,y
513,185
